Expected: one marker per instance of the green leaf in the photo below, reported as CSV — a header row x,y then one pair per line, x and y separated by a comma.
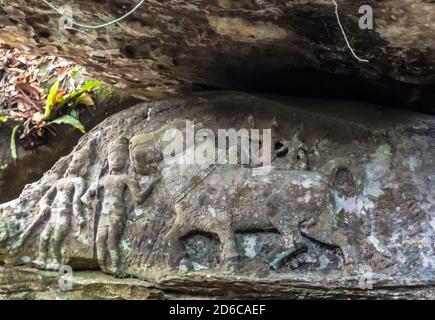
x,y
51,99
74,71
74,114
13,143
67,119
85,99
88,86
92,84
4,118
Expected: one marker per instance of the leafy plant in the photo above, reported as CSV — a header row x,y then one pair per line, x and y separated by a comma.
x,y
67,119
13,143
88,86
38,92
51,99
58,100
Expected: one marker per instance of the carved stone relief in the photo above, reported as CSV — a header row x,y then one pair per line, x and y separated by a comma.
x,y
343,193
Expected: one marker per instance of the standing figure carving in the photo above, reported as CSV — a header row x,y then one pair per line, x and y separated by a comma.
x,y
60,203
114,204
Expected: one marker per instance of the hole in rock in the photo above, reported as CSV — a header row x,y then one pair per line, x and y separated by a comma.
x,y
79,264
129,51
344,183
280,152
44,33
202,249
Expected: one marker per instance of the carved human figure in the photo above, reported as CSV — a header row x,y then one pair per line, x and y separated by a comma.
x,y
60,203
113,213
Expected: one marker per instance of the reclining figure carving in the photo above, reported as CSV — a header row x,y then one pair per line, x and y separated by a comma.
x,y
281,201
224,199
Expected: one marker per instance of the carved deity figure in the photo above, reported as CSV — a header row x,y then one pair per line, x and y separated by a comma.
x,y
114,205
60,203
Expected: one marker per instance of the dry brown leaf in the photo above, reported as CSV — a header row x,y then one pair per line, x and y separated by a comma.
x,y
22,97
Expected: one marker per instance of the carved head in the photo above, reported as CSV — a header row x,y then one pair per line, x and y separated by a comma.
x,y
146,155
80,161
118,155
147,148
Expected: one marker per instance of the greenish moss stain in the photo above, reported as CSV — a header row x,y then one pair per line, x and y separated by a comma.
x,y
383,151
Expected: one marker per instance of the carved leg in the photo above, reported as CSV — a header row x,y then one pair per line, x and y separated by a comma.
x,y
229,251
175,249
44,241
292,242
60,232
348,247
101,246
113,238
324,233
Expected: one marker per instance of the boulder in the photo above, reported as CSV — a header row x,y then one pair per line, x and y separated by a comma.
x,y
333,195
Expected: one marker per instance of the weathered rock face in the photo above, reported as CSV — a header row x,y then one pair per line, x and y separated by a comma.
x,y
348,198
165,47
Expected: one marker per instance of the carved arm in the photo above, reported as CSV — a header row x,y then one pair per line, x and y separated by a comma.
x,y
48,197
89,196
139,196
77,202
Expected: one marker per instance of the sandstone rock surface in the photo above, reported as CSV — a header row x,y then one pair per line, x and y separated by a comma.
x,y
347,202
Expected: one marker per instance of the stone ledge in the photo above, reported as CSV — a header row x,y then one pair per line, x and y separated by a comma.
x,y
29,283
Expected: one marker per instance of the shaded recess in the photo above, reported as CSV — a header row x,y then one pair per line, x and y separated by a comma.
x,y
306,82
280,47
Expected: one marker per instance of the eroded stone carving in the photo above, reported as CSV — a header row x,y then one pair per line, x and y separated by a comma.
x,y
343,193
113,212
246,202
57,208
